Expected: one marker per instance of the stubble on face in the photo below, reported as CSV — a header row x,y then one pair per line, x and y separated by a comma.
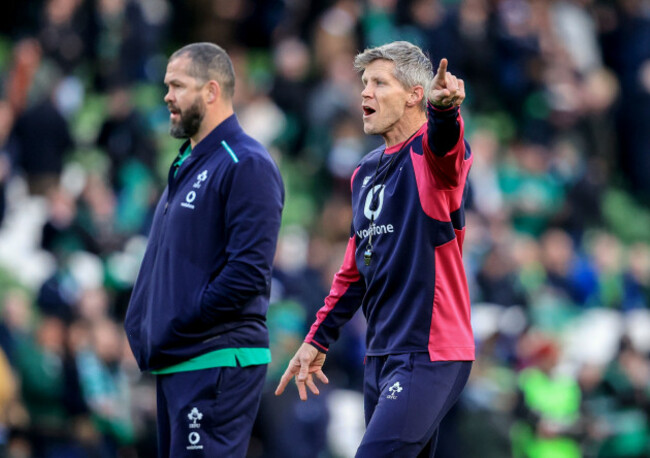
x,y
189,121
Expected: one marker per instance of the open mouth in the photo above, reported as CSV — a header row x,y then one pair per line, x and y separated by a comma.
x,y
174,112
367,111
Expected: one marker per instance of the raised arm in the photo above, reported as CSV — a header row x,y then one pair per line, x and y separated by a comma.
x,y
444,146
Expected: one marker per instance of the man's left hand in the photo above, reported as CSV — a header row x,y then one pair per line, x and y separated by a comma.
x,y
446,90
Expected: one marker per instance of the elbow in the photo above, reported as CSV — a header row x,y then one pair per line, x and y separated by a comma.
x,y
443,147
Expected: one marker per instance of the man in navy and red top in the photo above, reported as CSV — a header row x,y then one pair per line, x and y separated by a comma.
x,y
403,263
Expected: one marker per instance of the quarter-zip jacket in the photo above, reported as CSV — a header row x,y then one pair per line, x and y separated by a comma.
x,y
205,278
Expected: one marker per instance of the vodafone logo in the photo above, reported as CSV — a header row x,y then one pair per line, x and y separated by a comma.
x,y
376,196
189,198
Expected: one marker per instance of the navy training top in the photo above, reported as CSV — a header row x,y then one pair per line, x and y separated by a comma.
x,y
414,292
205,278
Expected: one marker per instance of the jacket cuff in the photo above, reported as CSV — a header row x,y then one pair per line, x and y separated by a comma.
x,y
441,110
317,346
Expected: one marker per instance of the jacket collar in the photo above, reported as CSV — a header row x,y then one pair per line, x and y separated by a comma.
x,y
228,127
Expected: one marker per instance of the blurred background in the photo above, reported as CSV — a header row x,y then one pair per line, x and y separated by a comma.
x,y
557,249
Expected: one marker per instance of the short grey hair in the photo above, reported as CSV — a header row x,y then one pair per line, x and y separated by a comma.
x,y
209,62
412,66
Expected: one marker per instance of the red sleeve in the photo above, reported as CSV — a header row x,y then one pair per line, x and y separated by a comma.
x,y
342,302
444,146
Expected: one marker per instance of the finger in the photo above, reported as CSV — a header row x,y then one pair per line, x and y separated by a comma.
x,y
448,101
321,376
452,83
440,94
302,392
442,69
286,377
312,386
459,96
304,370
461,90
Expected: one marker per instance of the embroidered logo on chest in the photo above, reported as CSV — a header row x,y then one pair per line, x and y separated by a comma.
x,y
191,196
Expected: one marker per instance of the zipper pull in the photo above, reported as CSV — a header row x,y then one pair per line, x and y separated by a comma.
x,y
166,205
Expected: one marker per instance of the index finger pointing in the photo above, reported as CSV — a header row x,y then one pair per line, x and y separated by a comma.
x,y
442,68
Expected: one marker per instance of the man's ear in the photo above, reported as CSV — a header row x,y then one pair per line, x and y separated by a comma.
x,y
415,96
213,91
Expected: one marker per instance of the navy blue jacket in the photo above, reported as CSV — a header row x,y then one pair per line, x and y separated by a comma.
x,y
205,278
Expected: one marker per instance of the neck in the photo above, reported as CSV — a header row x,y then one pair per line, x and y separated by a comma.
x,y
404,128
210,121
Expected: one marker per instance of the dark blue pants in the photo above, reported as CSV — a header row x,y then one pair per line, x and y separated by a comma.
x,y
406,397
208,413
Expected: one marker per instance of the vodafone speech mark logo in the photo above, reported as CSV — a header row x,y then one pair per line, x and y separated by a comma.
x,y
374,202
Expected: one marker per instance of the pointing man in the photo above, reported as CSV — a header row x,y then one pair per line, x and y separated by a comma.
x,y
403,264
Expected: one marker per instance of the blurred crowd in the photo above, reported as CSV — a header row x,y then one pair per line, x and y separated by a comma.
x,y
558,224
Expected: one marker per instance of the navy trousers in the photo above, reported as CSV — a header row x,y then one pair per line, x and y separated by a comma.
x,y
406,397
208,413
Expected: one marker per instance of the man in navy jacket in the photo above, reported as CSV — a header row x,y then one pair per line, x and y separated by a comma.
x,y
198,309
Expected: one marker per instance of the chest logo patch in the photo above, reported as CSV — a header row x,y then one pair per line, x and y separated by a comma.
x,y
201,177
189,198
374,202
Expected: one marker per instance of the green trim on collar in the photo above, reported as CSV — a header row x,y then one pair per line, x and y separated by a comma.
x,y
181,158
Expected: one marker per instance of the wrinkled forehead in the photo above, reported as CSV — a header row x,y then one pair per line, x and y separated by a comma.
x,y
178,69
379,68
